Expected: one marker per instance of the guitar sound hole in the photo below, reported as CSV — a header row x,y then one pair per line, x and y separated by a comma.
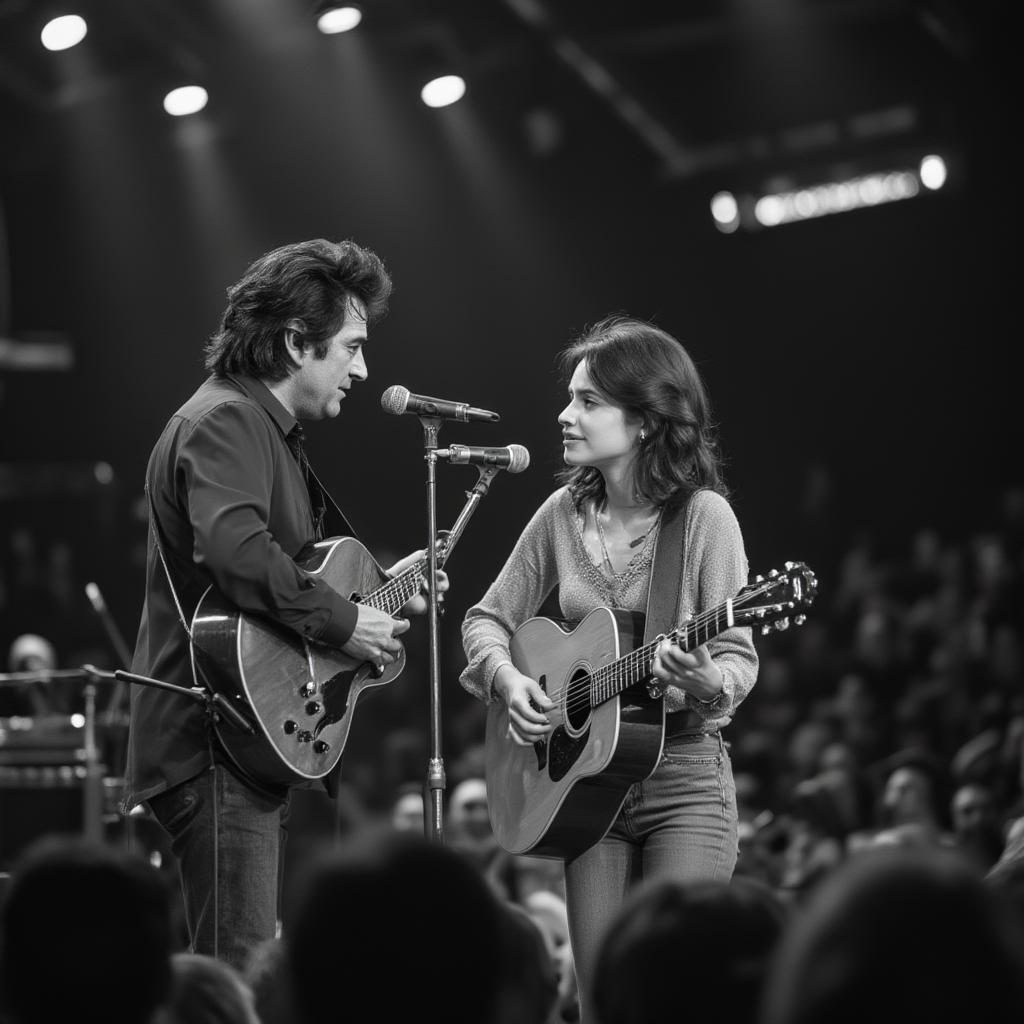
x,y
577,700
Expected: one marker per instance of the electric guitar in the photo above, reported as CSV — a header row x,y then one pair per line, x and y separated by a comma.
x,y
298,696
559,796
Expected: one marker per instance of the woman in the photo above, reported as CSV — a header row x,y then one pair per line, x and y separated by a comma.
x,y
638,445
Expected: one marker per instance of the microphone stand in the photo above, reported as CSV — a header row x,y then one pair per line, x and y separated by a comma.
x,y
435,781
435,772
215,705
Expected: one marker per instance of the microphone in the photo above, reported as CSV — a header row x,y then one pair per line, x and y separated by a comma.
x,y
113,633
515,458
397,400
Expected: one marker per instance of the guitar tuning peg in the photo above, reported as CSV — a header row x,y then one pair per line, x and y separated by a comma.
x,y
759,578
766,629
772,573
800,619
782,624
790,565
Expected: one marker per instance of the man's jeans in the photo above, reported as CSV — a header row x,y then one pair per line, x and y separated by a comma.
x,y
229,841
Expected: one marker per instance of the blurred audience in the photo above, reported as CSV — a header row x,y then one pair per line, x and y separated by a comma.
x,y
386,897
548,909
85,935
205,990
468,830
679,950
266,973
32,654
898,934
977,830
529,992
407,809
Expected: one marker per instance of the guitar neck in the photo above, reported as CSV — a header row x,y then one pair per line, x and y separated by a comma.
x,y
406,585
636,667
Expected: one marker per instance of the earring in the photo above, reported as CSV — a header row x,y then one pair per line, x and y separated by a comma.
x,y
643,435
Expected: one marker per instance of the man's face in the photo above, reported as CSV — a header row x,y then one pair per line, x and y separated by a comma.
x,y
318,386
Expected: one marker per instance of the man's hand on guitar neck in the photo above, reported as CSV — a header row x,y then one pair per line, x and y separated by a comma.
x,y
375,638
418,605
526,703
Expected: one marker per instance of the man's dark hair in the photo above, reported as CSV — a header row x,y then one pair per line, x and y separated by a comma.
x,y
313,283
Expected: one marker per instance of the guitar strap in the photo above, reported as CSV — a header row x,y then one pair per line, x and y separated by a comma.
x,y
153,525
664,596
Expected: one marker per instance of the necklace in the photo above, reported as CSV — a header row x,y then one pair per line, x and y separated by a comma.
x,y
636,542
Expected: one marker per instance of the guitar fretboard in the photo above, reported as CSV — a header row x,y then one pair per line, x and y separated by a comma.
x,y
396,592
636,666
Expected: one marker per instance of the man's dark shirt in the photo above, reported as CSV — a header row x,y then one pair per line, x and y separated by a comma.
x,y
233,511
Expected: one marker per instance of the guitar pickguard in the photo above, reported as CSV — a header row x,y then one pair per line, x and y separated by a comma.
x,y
564,751
335,692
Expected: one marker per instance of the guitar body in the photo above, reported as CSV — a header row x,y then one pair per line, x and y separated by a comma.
x,y
299,696
558,797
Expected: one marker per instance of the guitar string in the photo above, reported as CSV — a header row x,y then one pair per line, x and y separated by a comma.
x,y
404,585
620,669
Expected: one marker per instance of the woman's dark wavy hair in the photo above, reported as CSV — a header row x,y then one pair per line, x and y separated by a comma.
x,y
650,375
312,282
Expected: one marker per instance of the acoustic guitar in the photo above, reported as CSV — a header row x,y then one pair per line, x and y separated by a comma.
x,y
559,796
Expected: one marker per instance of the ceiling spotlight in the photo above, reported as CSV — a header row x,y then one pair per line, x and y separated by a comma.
x,y
932,172
443,91
64,32
333,18
726,212
188,99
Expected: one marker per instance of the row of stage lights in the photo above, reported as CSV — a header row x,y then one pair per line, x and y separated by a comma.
x,y
70,29
772,209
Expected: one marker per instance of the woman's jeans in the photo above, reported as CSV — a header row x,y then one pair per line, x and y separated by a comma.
x,y
229,841
681,822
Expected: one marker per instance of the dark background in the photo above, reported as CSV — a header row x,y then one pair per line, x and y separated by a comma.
x,y
859,364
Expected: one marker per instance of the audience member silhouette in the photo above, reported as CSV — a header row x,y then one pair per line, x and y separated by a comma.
x,y
86,935
897,934
910,811
977,831
529,991
470,832
205,990
408,808
383,897
548,909
695,950
266,973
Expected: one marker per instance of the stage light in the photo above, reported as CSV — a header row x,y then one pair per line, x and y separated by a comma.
x,y
334,18
188,99
64,32
933,172
726,212
443,91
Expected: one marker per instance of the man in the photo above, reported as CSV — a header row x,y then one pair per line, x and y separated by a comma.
x,y
232,504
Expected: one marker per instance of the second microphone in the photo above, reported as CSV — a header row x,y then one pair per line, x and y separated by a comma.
x,y
514,458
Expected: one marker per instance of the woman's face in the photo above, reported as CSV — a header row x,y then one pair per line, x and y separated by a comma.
x,y
595,431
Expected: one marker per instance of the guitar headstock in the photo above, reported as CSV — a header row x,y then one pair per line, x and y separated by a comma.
x,y
776,600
